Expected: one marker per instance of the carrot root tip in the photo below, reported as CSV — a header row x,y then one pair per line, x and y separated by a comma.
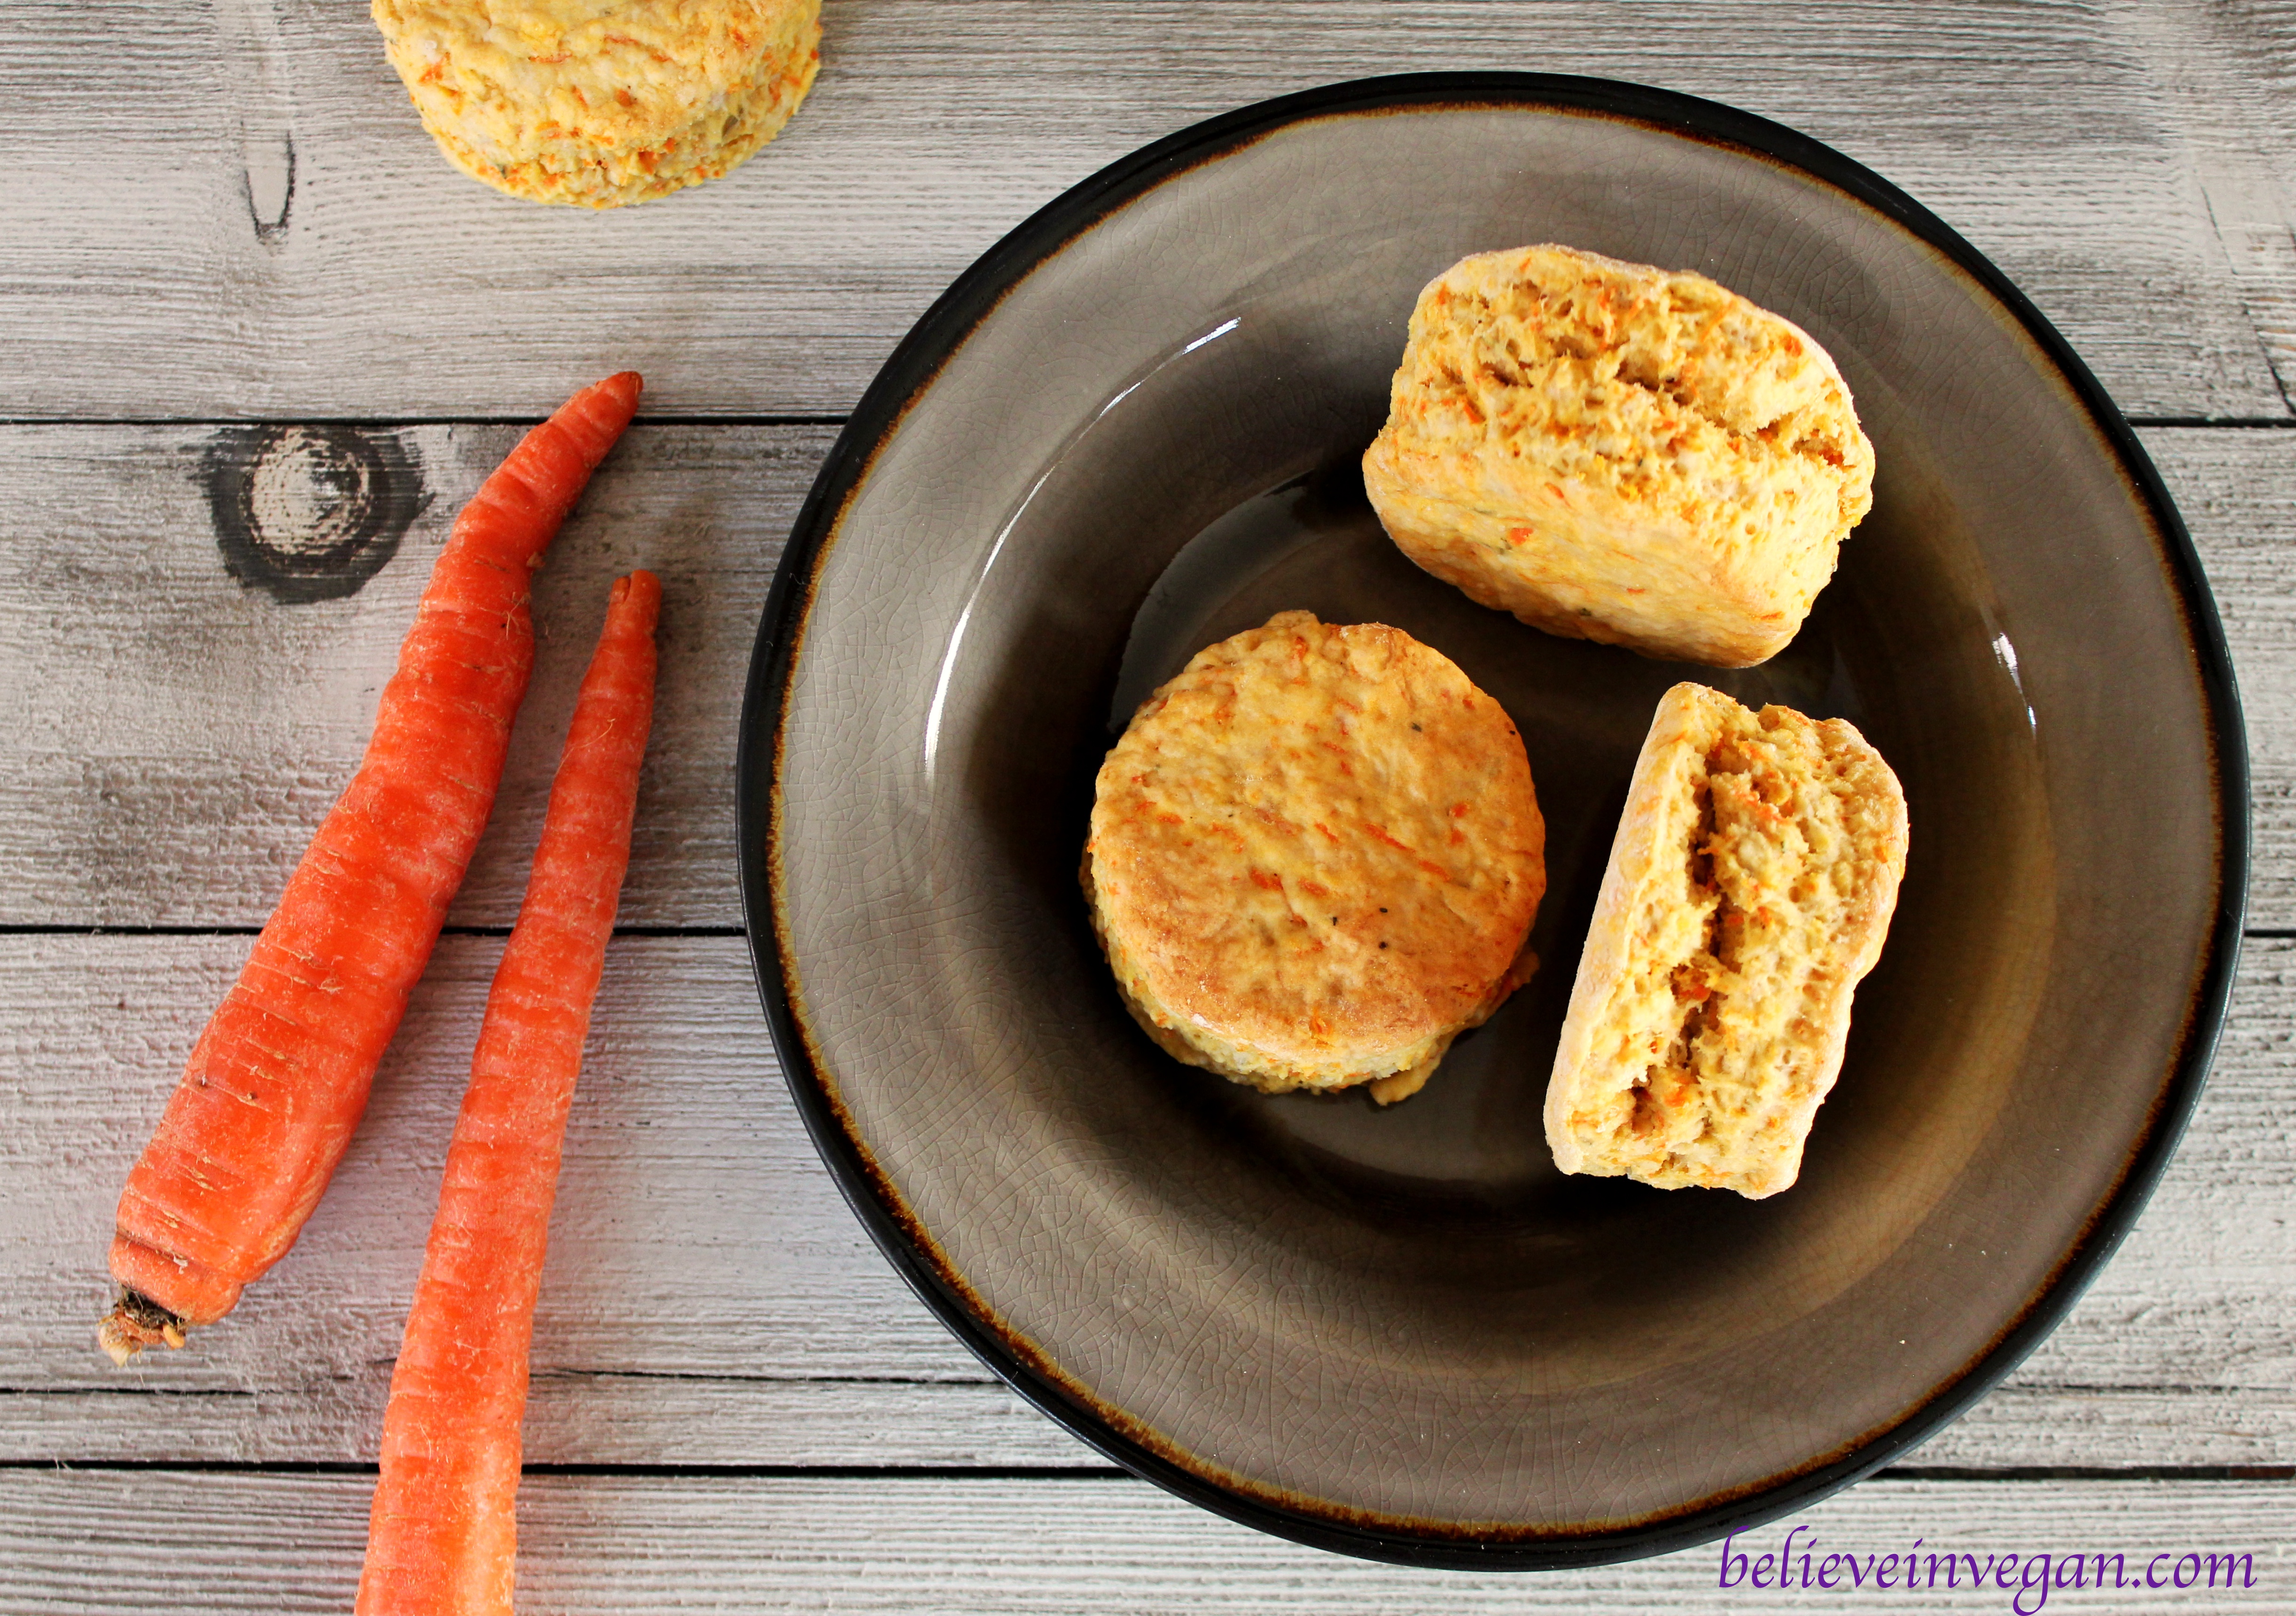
x,y
134,1323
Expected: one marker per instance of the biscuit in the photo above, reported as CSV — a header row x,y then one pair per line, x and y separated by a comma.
x,y
1618,453
1314,858
1749,891
599,103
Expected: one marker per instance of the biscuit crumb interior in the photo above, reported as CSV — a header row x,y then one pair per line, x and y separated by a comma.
x,y
1724,1014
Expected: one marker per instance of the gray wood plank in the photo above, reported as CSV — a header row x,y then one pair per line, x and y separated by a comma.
x,y
270,233
173,736
2236,491
709,1300
2223,71
693,1229
72,1541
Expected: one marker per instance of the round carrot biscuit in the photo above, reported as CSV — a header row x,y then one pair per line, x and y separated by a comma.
x,y
599,103
1314,858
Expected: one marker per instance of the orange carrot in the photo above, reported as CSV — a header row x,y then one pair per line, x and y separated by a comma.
x,y
443,1537
276,1083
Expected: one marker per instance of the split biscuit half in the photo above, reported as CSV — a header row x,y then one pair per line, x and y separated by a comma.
x,y
1314,858
1619,453
600,102
1749,891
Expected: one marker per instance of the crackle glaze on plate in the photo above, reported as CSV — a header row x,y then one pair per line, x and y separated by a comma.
x,y
1132,428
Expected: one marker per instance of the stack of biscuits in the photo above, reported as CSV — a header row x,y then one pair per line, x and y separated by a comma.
x,y
1316,856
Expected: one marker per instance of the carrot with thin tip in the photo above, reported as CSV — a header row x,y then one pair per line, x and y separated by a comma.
x,y
277,1081
443,1535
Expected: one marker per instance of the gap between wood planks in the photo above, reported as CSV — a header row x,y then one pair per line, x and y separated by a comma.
x,y
690,419
2025,1473
38,929
395,423
42,928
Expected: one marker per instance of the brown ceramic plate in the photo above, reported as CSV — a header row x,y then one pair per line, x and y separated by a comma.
x,y
1132,428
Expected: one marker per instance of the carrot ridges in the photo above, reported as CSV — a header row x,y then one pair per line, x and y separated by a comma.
x,y
277,1081
442,1535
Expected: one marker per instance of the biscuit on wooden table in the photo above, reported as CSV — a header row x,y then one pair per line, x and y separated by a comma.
x,y
1314,858
1619,453
1749,891
599,103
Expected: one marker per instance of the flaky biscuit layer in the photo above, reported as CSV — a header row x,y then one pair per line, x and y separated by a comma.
x,y
1314,858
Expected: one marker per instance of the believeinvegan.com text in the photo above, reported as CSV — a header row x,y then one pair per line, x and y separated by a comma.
x,y
2028,1579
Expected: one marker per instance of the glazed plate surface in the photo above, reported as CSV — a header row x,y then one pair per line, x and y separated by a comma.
x,y
1131,430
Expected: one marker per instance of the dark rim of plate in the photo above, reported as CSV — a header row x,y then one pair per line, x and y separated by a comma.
x,y
913,368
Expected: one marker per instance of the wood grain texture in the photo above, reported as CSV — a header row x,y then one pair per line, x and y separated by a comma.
x,y
271,233
71,1541
709,1300
177,736
2226,72
243,221
2236,491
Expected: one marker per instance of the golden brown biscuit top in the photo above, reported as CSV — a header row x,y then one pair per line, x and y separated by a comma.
x,y
1660,387
614,73
1319,837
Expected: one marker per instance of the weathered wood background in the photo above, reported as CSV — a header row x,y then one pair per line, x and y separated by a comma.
x,y
225,240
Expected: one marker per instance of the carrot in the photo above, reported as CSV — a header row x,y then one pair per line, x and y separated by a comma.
x,y
443,1537
276,1083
